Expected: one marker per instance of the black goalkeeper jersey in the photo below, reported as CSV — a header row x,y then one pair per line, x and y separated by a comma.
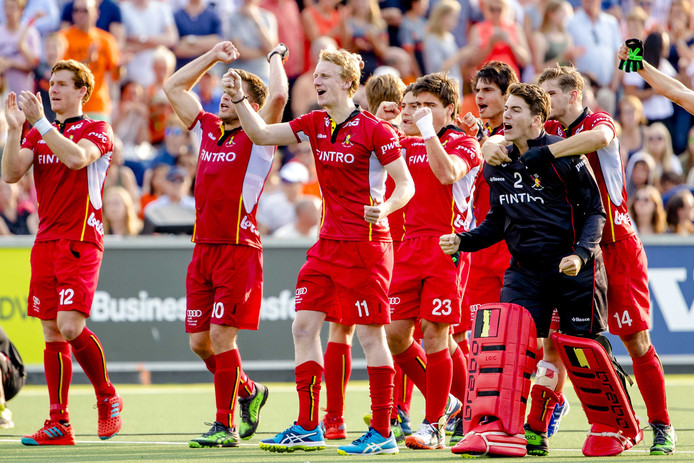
x,y
543,217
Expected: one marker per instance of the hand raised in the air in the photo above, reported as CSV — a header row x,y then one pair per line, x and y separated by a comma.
x,y
13,115
31,105
225,52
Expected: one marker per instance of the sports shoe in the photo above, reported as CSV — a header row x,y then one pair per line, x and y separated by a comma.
x,y
537,442
218,436
109,416
664,439
371,443
397,430
52,433
249,408
333,427
457,431
560,411
295,438
404,419
450,425
428,437
453,406
6,417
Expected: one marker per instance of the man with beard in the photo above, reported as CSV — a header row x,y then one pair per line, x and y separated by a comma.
x,y
225,280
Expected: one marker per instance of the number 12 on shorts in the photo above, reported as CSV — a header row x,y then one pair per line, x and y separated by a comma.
x,y
362,308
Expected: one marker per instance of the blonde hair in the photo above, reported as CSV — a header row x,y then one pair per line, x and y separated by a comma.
x,y
161,53
132,222
441,9
350,64
81,75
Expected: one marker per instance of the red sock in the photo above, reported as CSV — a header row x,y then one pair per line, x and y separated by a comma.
x,y
398,390
246,384
210,363
651,381
338,368
226,385
57,362
439,374
541,407
413,363
465,348
308,378
381,389
459,383
90,355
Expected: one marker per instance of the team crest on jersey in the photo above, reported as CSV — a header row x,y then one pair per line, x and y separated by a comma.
x,y
347,143
537,184
444,143
230,141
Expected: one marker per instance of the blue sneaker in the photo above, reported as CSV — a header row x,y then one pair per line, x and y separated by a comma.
x,y
560,411
295,438
404,419
371,443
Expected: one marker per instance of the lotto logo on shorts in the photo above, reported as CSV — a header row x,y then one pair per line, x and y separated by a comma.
x,y
300,292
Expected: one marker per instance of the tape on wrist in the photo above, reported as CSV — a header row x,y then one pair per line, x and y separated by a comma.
x,y
426,127
43,126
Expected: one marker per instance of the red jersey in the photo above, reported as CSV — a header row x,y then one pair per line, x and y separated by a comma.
x,y
494,258
396,220
609,173
70,200
438,209
349,164
230,176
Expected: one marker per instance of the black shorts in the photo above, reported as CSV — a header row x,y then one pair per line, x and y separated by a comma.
x,y
581,301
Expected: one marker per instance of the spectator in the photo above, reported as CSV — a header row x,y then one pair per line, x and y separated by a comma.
x,y
120,216
54,46
290,32
635,26
687,159
680,213
20,48
277,209
131,118
15,220
97,49
153,185
177,141
44,15
109,19
325,18
647,211
640,171
307,211
163,66
199,29
175,208
401,62
148,25
441,52
189,161
633,123
209,91
659,145
599,34
122,176
552,44
412,31
303,95
302,152
680,56
670,183
253,31
656,107
498,38
365,33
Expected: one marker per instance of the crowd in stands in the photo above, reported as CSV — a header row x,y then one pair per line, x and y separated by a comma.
x,y
133,46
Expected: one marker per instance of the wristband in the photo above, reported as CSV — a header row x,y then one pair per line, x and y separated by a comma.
x,y
43,126
426,126
283,54
240,100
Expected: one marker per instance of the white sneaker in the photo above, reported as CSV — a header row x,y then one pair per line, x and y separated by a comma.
x,y
427,437
6,417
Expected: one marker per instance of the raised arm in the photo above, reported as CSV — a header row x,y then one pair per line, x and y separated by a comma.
x,y
255,127
178,87
585,142
16,161
279,86
447,169
665,85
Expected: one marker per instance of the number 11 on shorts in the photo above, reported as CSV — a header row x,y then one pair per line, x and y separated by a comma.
x,y
361,306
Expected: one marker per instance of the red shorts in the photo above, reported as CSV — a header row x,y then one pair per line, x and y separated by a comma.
x,y
348,280
224,286
426,282
628,301
64,275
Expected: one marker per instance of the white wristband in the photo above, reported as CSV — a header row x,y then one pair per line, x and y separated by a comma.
x,y
426,126
43,126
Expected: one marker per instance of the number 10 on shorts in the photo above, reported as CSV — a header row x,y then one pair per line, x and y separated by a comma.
x,y
362,308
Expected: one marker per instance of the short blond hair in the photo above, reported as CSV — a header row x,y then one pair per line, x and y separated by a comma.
x,y
350,64
386,87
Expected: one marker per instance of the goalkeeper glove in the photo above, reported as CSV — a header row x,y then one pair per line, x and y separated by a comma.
x,y
634,61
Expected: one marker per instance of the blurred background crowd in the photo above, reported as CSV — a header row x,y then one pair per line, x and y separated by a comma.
x,y
133,46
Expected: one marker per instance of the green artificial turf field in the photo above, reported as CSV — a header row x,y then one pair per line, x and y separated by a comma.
x,y
158,420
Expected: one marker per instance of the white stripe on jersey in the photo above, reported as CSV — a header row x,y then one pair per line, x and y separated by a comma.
x,y
612,172
259,166
377,178
462,190
96,174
